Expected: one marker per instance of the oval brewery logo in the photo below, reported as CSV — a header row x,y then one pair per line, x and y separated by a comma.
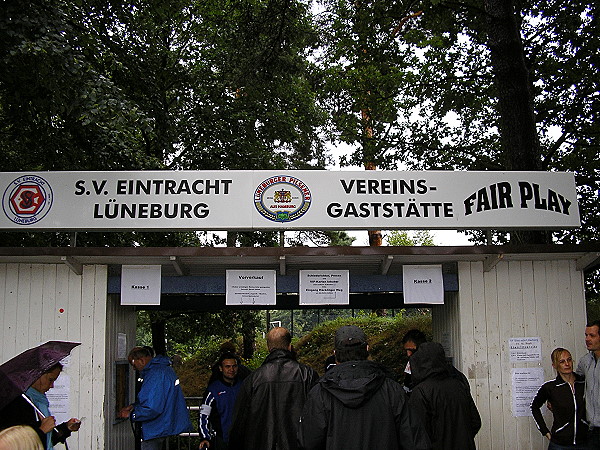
x,y
282,198
27,199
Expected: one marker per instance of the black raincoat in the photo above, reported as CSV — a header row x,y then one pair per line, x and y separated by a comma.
x,y
269,404
356,406
440,401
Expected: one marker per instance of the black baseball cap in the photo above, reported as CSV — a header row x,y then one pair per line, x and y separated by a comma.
x,y
349,336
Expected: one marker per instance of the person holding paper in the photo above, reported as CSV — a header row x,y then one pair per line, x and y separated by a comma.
x,y
566,396
32,409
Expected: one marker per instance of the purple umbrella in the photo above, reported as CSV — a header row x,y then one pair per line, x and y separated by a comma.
x,y
18,373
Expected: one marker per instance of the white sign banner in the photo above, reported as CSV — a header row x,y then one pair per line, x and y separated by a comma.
x,y
423,284
250,287
324,287
301,200
526,383
140,285
525,349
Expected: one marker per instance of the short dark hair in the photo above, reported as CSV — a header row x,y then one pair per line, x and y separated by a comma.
x,y
228,355
595,323
414,335
139,352
355,353
55,366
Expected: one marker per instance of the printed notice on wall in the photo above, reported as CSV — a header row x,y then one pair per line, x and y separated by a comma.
x,y
525,384
140,285
324,287
525,349
423,284
250,287
121,346
58,397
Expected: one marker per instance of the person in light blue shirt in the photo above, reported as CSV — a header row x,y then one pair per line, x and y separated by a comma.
x,y
33,409
588,367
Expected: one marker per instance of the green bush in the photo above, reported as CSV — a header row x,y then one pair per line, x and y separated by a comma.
x,y
384,335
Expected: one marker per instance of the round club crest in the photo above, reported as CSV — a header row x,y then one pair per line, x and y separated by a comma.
x,y
282,198
27,199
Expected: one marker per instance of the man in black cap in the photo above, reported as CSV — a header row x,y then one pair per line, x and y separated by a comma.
x,y
356,405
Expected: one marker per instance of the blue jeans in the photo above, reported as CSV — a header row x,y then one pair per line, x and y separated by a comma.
x,y
594,438
153,444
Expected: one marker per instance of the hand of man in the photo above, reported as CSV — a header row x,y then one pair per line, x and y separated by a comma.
x,y
204,444
125,412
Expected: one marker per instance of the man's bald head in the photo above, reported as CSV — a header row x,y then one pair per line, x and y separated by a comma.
x,y
279,338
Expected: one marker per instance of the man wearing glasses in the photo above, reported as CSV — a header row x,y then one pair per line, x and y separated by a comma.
x,y
160,406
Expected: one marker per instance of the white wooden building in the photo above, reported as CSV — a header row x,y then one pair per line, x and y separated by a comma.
x,y
492,294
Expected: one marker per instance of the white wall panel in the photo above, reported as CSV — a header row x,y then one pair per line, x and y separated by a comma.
x,y
49,302
515,299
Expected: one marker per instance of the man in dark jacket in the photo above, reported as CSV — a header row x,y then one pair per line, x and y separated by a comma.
x,y
356,406
440,401
411,342
270,401
216,412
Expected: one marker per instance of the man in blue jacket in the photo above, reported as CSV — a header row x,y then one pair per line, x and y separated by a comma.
x,y
216,412
160,406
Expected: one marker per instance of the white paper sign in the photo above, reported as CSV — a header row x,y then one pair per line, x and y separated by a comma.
x,y
250,287
58,397
324,287
140,285
423,284
525,384
525,349
121,346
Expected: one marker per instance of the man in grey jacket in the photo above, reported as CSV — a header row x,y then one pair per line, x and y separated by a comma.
x,y
588,367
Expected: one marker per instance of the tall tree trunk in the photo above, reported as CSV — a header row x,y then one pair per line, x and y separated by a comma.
x,y
159,336
518,133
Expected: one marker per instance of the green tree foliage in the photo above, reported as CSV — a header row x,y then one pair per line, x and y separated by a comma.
x,y
321,238
57,111
225,85
451,86
416,238
364,72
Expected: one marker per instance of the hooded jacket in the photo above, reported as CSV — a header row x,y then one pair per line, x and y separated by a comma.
x,y
160,406
568,409
269,404
441,403
356,406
